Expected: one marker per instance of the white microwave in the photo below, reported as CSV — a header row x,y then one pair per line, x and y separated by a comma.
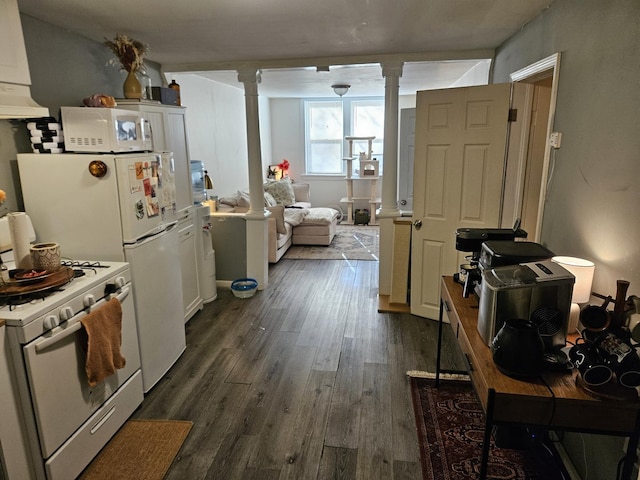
x,y
105,130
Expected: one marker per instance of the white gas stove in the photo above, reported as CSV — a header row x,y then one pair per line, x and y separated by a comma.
x,y
48,345
42,310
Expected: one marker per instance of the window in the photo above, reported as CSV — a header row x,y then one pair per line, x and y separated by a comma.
x,y
327,122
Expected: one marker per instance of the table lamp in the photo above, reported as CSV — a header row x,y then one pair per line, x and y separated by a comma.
x,y
583,271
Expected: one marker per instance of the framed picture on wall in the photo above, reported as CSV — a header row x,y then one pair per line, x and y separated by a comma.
x,y
274,172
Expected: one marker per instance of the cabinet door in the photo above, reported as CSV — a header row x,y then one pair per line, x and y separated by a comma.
x,y
178,145
156,119
192,301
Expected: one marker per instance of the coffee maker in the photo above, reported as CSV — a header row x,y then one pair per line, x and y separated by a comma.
x,y
471,240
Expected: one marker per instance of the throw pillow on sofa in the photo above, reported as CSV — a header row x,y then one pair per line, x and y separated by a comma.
x,y
269,201
282,191
243,199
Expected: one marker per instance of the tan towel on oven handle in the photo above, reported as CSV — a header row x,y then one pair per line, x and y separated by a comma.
x,y
104,337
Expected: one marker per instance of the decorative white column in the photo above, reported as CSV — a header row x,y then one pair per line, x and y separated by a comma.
x,y
389,207
256,217
391,73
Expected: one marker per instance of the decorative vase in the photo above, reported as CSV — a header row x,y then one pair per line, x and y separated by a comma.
x,y
132,87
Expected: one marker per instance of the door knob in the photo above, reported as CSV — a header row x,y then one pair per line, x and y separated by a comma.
x,y
417,224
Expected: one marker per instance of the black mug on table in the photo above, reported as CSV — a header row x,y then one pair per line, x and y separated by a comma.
x,y
593,366
628,371
622,357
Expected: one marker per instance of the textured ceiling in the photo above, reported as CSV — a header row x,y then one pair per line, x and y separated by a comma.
x,y
217,34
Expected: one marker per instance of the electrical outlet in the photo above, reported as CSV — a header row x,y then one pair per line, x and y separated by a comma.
x,y
555,139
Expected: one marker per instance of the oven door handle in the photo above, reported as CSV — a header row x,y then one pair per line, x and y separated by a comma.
x,y
75,326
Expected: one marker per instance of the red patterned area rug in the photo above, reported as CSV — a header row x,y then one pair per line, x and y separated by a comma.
x,y
450,430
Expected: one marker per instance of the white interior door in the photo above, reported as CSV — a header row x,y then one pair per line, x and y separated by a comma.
x,y
460,145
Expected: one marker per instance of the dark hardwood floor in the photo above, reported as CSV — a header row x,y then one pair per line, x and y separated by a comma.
x,y
305,380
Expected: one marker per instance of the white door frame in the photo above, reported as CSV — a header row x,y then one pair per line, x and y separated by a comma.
x,y
528,74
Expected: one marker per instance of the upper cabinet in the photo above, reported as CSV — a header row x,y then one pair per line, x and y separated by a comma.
x,y
169,132
15,94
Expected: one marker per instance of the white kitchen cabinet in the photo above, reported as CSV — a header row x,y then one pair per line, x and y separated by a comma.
x,y
192,300
169,131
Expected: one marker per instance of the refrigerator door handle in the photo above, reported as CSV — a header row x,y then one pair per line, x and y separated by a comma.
x,y
167,227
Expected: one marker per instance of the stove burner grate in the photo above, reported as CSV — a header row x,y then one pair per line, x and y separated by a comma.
x,y
78,266
32,297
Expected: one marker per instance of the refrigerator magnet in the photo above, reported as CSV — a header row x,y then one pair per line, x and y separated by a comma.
x,y
134,182
139,206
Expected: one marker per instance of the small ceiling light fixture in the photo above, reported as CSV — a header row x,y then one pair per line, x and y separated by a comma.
x,y
340,90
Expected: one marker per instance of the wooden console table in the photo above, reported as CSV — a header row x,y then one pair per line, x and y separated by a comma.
x,y
550,402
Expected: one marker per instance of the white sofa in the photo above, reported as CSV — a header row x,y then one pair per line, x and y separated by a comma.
x,y
295,224
281,231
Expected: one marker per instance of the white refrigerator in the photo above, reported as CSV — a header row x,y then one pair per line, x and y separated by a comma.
x,y
120,208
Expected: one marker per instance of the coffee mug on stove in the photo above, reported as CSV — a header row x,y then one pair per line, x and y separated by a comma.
x,y
45,256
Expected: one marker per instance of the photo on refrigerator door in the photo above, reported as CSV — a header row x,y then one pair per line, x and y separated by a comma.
x,y
139,171
136,174
150,189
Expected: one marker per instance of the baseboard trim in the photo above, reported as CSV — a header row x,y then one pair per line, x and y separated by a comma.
x,y
385,306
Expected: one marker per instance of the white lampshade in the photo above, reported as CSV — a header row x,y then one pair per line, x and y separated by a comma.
x,y
583,271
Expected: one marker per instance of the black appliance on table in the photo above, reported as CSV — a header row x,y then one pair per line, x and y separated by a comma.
x,y
471,240
499,253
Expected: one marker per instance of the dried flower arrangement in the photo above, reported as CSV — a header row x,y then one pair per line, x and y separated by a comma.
x,y
130,53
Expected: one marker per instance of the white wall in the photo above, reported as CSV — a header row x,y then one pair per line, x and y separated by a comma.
x,y
592,205
478,75
217,130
